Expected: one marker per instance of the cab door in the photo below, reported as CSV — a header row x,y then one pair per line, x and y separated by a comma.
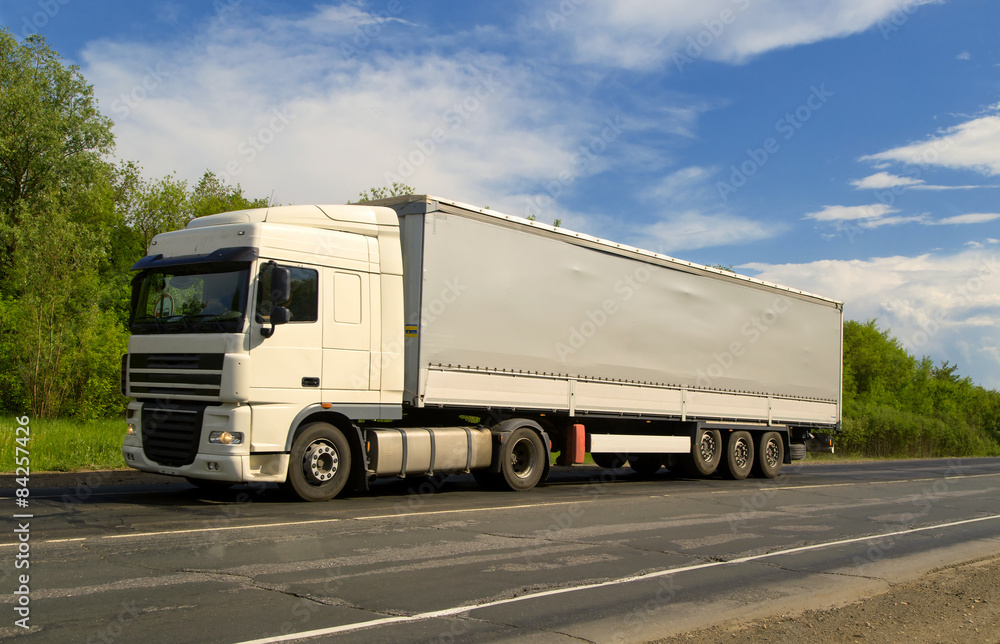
x,y
287,366
347,330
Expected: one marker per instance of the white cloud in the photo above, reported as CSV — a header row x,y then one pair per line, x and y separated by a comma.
x,y
973,145
892,221
882,180
964,56
971,218
296,107
936,304
687,215
975,245
877,215
684,184
851,213
647,33
690,230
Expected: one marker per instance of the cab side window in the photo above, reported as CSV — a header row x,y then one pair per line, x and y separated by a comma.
x,y
303,305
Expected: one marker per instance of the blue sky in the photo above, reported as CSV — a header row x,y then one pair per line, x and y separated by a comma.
x,y
848,147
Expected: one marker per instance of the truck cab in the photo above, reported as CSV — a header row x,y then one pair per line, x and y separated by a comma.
x,y
248,326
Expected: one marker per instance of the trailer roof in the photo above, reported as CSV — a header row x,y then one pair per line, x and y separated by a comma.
x,y
449,206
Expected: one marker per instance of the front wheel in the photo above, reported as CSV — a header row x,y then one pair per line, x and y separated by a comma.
x,y
320,463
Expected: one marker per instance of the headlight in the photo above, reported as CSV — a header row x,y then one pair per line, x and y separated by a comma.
x,y
226,438
130,429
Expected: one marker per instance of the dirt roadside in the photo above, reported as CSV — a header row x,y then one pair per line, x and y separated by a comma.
x,y
959,603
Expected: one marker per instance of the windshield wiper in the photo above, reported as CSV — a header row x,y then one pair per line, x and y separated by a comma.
x,y
208,317
145,321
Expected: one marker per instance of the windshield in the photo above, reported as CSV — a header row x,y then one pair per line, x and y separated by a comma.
x,y
197,298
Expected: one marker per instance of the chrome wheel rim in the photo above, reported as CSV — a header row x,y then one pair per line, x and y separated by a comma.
x,y
707,447
771,453
320,462
741,453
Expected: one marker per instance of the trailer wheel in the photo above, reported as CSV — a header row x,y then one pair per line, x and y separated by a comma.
x,y
645,464
608,460
320,463
706,452
770,456
739,456
522,461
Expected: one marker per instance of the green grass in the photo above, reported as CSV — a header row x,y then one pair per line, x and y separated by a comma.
x,y
64,445
587,458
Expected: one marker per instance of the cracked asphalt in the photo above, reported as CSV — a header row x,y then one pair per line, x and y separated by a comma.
x,y
592,556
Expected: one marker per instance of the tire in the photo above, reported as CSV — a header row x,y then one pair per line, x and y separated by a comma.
x,y
608,460
770,456
739,459
522,460
645,464
706,453
797,451
320,463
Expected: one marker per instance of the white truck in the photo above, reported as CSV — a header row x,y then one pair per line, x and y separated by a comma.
x,y
323,346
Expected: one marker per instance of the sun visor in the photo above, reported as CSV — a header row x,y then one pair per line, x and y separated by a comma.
x,y
234,254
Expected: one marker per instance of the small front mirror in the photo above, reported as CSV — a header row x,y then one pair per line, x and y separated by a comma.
x,y
280,315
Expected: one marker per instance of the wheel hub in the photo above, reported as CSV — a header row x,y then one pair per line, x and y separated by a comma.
x,y
741,453
522,458
707,447
321,462
771,453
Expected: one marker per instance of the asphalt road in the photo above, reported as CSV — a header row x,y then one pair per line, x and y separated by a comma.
x,y
591,556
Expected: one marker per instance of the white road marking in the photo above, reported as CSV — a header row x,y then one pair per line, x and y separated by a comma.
x,y
433,512
458,610
286,524
126,535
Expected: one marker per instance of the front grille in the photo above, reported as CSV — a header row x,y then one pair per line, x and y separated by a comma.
x,y
176,360
170,433
170,374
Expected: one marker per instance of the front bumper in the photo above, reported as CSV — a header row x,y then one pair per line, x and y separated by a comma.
x,y
205,460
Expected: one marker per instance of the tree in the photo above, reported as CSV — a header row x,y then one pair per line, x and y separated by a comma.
x,y
376,193
53,138
212,196
59,271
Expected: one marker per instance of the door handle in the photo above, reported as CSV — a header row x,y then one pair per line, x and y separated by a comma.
x,y
310,382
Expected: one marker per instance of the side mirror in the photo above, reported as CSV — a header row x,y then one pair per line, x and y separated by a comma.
x,y
280,315
281,285
281,293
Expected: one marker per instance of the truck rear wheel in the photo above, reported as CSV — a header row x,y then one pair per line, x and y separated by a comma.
x,y
320,463
770,456
522,461
739,456
706,452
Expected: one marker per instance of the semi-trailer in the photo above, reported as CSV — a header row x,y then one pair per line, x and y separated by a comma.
x,y
324,346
